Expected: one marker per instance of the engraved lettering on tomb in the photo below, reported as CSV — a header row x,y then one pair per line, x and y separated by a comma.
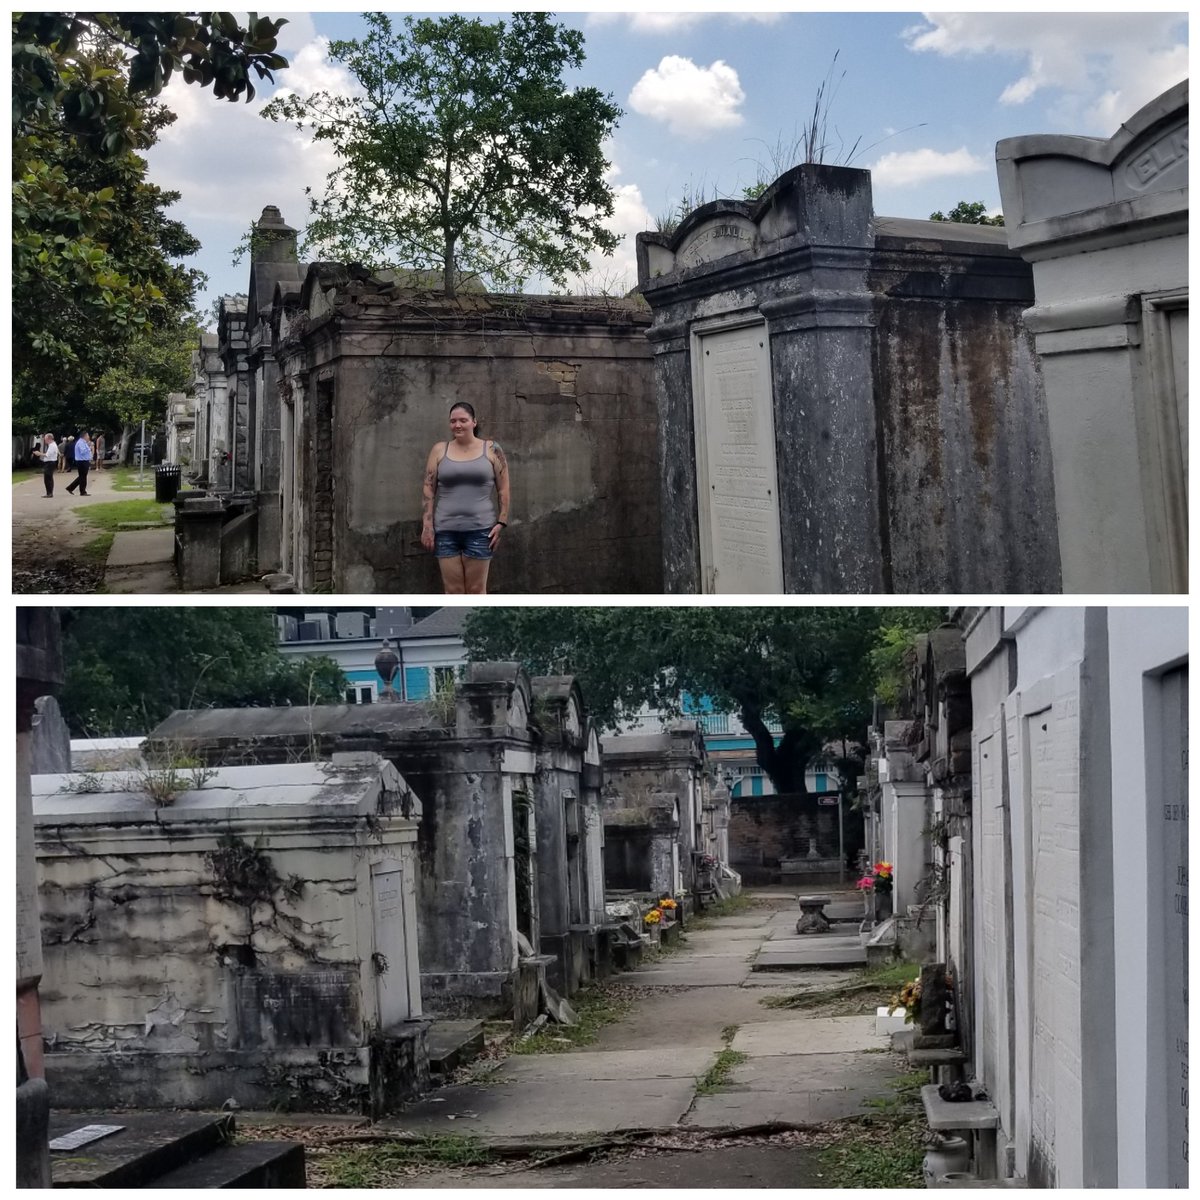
x,y
1168,151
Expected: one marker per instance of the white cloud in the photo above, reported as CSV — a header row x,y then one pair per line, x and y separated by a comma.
x,y
908,167
615,274
671,22
228,162
692,101
1103,66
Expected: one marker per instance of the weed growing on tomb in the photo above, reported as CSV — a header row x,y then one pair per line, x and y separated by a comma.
x,y
718,1074
163,783
442,704
84,784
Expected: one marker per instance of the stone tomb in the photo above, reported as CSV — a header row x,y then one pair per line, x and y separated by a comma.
x,y
244,933
673,762
847,403
1104,223
569,832
482,863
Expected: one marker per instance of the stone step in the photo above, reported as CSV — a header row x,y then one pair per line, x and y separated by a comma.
x,y
452,1043
147,1145
249,1165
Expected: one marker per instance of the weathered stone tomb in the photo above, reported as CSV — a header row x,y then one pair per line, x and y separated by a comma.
x,y
244,933
483,866
674,763
847,403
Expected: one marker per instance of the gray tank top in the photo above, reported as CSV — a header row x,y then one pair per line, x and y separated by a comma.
x,y
465,494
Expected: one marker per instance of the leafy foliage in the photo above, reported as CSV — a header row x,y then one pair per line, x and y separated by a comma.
x,y
808,668
50,53
92,246
464,151
895,638
129,668
156,362
968,213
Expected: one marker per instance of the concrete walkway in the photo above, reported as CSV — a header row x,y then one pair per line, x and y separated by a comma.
x,y
140,561
643,1071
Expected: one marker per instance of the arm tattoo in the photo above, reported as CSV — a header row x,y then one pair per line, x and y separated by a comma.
x,y
501,461
427,496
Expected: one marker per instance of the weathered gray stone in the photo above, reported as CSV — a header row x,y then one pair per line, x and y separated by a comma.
x,y
50,746
369,371
887,361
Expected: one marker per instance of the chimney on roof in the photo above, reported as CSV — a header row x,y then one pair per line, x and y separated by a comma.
x,y
274,239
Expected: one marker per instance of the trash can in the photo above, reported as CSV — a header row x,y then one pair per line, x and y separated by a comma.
x,y
166,482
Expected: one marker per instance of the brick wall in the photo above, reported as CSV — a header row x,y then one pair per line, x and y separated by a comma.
x,y
765,829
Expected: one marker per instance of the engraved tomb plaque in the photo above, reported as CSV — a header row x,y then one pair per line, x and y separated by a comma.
x,y
739,495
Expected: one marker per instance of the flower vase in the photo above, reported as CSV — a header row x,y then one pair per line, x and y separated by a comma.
x,y
883,906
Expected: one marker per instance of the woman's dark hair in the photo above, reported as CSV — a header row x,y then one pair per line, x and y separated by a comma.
x,y
469,411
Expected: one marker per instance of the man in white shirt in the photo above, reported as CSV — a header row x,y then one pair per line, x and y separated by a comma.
x,y
49,456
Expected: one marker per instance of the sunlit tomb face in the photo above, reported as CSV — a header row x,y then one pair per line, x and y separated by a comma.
x,y
461,423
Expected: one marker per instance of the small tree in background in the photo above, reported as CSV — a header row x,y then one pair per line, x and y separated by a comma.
x,y
463,151
968,212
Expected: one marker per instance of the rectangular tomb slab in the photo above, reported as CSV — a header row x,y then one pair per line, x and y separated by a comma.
x,y
149,1145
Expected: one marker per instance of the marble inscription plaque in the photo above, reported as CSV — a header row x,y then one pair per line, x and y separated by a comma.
x,y
740,538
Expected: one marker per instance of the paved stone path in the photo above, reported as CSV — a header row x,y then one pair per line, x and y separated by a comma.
x,y
642,1072
140,561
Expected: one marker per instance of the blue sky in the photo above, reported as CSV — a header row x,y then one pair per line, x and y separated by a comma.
x,y
709,96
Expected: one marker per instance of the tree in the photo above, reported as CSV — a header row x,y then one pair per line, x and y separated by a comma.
x,y
968,213
92,246
129,668
156,362
52,78
810,669
463,152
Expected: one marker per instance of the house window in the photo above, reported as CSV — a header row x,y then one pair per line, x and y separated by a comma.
x,y
360,694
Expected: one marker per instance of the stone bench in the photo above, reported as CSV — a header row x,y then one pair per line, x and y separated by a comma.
x,y
812,914
977,1118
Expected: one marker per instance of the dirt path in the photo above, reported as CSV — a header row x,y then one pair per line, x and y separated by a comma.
x,y
49,536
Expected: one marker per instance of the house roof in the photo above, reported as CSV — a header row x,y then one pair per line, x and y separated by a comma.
x,y
446,622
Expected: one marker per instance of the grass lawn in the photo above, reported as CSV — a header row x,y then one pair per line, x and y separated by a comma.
x,y
119,513
21,474
125,479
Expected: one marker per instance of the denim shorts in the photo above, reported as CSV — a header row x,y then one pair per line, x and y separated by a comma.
x,y
467,543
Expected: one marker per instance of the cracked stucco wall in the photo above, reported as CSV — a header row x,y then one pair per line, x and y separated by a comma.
x,y
573,408
156,954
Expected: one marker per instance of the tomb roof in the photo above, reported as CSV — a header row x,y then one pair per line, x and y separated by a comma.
x,y
281,790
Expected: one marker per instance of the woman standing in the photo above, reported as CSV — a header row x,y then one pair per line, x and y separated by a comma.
x,y
459,518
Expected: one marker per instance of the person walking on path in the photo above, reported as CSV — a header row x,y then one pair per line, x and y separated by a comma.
x,y
459,518
83,460
48,453
100,452
66,456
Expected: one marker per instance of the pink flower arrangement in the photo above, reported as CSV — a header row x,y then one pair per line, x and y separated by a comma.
x,y
880,879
